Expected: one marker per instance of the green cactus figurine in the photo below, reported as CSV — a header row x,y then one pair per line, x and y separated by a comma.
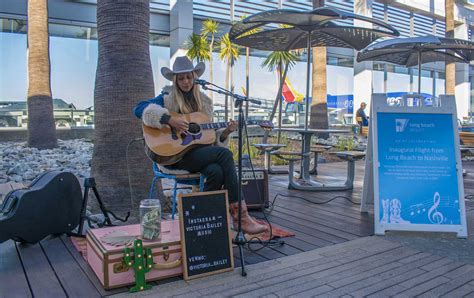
x,y
141,262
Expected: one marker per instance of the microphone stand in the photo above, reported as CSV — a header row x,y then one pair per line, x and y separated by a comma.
x,y
239,237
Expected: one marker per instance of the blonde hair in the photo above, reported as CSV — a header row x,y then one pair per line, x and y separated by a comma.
x,y
184,106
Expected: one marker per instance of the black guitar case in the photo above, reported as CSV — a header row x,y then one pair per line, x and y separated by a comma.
x,y
50,205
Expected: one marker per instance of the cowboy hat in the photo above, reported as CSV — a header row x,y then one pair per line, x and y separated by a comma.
x,y
183,64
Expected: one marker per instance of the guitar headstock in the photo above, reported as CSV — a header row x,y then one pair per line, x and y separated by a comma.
x,y
265,124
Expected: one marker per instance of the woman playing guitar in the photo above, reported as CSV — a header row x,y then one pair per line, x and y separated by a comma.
x,y
215,162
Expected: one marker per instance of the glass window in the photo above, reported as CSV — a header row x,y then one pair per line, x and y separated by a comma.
x,y
346,62
13,26
73,56
79,32
332,61
390,68
426,73
340,61
471,80
441,75
378,66
401,69
159,40
13,60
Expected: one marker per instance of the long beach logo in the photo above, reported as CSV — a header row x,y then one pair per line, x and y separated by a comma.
x,y
400,125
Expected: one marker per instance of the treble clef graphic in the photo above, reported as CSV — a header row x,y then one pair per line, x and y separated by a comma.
x,y
434,215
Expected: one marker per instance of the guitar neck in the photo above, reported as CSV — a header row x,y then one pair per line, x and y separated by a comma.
x,y
216,125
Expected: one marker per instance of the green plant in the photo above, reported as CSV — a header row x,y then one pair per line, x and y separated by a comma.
x,y
350,144
141,262
344,144
209,28
254,153
229,52
341,144
275,160
198,48
281,61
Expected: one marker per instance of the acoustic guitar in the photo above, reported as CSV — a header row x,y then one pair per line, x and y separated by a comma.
x,y
167,145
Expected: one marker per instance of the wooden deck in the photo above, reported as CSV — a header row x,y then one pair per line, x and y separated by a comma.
x,y
53,268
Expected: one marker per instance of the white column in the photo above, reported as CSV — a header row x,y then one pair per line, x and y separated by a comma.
x,y
463,86
363,74
181,26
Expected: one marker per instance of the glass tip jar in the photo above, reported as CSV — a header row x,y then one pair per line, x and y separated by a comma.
x,y
150,219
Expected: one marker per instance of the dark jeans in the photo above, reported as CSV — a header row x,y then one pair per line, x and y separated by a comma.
x,y
216,164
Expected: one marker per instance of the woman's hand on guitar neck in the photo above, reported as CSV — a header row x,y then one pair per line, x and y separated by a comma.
x,y
179,124
232,126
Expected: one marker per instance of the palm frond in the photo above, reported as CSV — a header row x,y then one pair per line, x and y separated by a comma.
x,y
277,58
209,27
198,48
229,51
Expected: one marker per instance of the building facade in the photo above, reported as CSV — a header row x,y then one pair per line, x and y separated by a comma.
x,y
73,51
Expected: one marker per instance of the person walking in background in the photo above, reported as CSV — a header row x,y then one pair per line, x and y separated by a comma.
x,y
361,117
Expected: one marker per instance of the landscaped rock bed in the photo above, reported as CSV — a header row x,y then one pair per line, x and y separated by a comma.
x,y
22,164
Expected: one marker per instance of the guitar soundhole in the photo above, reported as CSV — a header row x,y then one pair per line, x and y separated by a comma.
x,y
194,128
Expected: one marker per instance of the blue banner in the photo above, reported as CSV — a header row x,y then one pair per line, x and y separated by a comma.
x,y
417,169
344,102
394,98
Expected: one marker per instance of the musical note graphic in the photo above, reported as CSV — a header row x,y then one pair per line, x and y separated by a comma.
x,y
434,215
417,209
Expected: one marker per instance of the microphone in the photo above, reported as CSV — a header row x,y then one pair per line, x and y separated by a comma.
x,y
200,82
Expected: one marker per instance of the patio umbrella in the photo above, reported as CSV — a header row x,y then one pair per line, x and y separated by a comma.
x,y
414,51
312,28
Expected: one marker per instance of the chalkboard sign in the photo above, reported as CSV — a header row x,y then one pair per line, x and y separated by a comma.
x,y
205,233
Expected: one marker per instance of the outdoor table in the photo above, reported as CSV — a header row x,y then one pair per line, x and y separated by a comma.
x,y
267,149
305,182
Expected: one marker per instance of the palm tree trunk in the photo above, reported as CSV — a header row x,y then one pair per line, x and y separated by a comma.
x,y
319,106
226,103
247,80
280,104
124,77
41,127
211,76
450,67
275,104
232,110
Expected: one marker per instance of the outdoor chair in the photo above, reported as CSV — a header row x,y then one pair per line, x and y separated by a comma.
x,y
351,157
363,130
466,138
291,157
316,150
193,179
